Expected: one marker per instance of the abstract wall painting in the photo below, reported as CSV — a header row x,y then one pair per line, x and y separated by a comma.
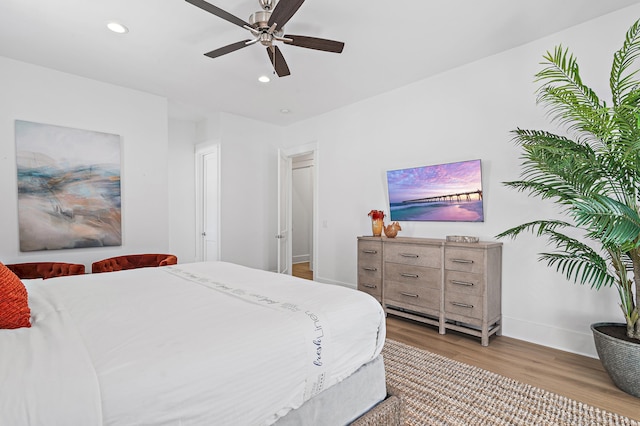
x,y
68,187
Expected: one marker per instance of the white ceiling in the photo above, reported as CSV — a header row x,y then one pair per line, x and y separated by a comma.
x,y
387,45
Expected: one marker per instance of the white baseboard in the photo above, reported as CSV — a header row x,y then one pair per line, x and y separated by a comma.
x,y
554,337
334,282
301,258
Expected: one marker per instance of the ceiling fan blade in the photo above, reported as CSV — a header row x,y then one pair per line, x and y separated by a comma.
x,y
218,12
315,43
284,11
278,62
227,49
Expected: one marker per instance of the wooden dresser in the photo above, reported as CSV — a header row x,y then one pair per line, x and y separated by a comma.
x,y
450,285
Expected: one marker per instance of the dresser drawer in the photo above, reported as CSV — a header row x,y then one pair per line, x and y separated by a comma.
x,y
414,294
408,254
372,287
369,251
468,305
464,282
464,259
412,275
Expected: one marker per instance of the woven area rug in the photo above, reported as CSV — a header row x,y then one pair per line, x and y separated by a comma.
x,y
440,391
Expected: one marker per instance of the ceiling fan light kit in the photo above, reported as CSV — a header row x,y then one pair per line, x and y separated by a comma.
x,y
267,26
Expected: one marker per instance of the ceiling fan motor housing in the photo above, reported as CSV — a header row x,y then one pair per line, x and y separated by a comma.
x,y
260,20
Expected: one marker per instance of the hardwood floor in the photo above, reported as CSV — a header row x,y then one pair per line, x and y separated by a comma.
x,y
574,376
302,270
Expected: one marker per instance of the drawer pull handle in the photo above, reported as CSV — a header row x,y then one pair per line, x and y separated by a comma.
x,y
461,261
409,275
462,305
368,268
408,294
369,286
456,282
370,251
415,256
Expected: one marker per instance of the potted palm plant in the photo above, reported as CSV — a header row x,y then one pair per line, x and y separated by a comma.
x,y
593,173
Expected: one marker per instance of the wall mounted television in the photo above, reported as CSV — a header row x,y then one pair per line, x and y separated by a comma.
x,y
450,192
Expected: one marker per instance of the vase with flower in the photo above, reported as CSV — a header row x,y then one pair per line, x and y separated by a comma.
x,y
377,222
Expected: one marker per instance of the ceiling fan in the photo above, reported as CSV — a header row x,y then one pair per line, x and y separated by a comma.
x,y
267,26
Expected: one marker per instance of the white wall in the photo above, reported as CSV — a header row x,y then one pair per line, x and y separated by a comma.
x,y
46,96
248,193
463,114
182,192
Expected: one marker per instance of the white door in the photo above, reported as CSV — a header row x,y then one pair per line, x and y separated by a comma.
x,y
284,213
208,201
210,213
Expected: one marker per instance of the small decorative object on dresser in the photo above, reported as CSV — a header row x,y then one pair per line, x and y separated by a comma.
x,y
392,230
452,285
377,218
462,239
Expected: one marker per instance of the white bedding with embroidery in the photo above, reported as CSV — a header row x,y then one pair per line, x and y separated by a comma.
x,y
191,344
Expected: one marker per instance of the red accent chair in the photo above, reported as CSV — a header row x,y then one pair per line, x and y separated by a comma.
x,y
132,261
45,270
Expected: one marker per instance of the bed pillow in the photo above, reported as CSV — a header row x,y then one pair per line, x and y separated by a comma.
x,y
14,307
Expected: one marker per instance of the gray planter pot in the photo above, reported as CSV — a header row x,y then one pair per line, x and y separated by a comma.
x,y
621,359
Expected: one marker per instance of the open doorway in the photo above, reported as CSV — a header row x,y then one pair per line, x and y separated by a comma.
x,y
297,186
302,191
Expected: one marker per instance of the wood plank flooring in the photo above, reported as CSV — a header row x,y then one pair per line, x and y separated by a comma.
x,y
302,270
574,376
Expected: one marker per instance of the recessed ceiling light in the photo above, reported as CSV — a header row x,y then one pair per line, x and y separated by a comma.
x,y
264,79
285,111
117,27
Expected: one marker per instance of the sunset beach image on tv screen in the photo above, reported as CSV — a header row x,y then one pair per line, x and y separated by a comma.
x,y
442,192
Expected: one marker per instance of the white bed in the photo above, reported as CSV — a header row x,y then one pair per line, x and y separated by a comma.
x,y
194,344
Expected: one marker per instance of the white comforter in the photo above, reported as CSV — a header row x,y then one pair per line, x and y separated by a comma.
x,y
195,344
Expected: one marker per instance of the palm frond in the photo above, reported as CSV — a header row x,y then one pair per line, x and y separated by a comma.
x,y
577,261
538,227
571,111
608,221
556,166
569,100
581,270
623,85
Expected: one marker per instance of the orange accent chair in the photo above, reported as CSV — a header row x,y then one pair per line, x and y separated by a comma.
x,y
31,270
132,261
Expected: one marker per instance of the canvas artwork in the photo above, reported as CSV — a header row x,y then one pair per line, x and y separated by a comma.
x,y
68,187
441,192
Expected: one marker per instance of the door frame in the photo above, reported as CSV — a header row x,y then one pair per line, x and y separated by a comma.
x,y
201,150
291,152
